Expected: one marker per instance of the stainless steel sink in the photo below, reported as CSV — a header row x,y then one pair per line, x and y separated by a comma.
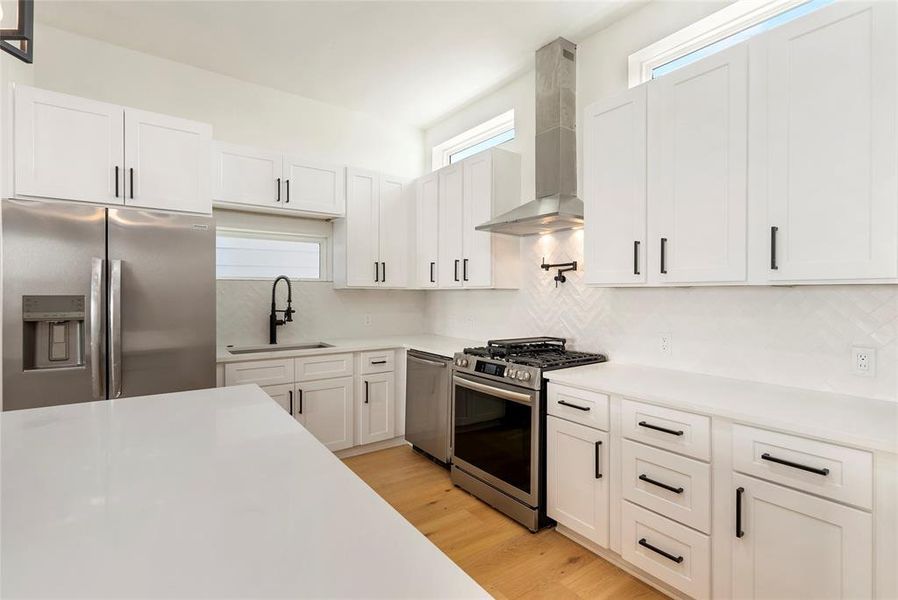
x,y
279,348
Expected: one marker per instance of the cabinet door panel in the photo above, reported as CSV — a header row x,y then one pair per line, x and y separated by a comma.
x,y
314,187
246,175
377,419
325,408
829,147
576,496
451,222
698,129
282,394
614,189
67,147
362,229
797,546
477,252
167,162
393,231
427,230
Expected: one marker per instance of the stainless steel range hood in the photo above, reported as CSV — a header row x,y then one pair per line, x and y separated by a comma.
x,y
556,206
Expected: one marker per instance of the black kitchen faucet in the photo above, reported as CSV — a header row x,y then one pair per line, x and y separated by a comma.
x,y
273,320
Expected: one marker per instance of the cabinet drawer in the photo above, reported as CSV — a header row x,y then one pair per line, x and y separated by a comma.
x,y
836,472
325,366
262,372
580,406
377,362
670,484
671,552
674,430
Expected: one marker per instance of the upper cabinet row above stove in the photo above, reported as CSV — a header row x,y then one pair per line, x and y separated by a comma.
x,y
775,161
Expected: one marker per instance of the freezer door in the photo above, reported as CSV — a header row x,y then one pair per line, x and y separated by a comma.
x,y
53,303
161,302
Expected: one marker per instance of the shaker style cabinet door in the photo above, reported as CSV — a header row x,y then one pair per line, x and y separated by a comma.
x,y
362,224
314,187
377,408
244,175
451,222
697,171
325,408
393,231
167,162
614,189
824,144
787,544
68,148
427,220
477,251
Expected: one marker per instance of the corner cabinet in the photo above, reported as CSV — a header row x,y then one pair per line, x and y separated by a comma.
x,y
72,148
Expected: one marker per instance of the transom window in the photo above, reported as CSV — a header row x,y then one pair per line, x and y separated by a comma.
x,y
497,130
246,254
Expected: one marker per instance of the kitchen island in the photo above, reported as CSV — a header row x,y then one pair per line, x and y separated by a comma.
x,y
208,493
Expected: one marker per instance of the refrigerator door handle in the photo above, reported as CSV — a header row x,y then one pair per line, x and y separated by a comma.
x,y
96,329
115,329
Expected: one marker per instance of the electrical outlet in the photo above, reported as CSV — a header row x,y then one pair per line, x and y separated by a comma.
x,y
863,361
367,319
665,343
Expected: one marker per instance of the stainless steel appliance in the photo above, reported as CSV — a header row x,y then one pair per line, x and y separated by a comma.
x,y
428,409
104,303
499,423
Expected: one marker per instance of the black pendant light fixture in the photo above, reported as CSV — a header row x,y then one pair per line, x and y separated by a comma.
x,y
17,28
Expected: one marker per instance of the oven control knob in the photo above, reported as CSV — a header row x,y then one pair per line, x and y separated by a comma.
x,y
464,362
525,377
511,373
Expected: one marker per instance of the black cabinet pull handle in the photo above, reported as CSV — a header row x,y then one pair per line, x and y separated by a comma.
x,y
290,392
376,272
366,391
598,459
432,280
116,181
577,406
739,492
664,255
661,429
383,272
667,555
669,488
773,231
300,401
781,461
456,269
288,191
464,269
131,175
278,199
378,362
636,257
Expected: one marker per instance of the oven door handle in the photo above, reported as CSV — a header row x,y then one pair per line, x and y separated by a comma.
x,y
494,391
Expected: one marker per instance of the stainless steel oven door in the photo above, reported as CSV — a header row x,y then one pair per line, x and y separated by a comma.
x,y
496,435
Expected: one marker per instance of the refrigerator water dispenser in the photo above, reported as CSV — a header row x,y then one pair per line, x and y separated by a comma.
x,y
53,332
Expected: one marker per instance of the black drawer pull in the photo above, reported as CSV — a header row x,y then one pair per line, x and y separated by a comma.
x,y
773,231
739,492
661,429
383,272
577,406
598,459
278,199
432,280
116,181
464,269
378,362
366,392
376,272
456,270
288,190
667,555
664,255
290,392
669,488
131,177
824,471
636,257
300,401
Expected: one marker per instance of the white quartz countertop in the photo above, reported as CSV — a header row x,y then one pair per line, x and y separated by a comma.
x,y
211,493
861,422
434,344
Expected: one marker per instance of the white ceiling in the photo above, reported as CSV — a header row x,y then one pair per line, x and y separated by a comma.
x,y
411,61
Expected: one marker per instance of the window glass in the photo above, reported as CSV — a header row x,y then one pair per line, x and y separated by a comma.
x,y
260,255
480,147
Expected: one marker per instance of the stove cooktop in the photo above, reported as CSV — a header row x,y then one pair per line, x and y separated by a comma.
x,y
544,353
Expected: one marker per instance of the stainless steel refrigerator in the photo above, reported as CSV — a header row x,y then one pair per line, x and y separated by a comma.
x,y
104,303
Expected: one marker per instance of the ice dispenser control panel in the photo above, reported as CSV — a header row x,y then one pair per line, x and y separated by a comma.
x,y
53,331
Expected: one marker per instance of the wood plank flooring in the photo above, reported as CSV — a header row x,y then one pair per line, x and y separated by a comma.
x,y
503,557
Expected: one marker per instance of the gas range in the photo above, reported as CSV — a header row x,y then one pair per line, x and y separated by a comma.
x,y
521,361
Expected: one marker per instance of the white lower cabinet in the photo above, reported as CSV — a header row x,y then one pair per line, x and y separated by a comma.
x,y
577,478
787,544
282,394
325,408
377,408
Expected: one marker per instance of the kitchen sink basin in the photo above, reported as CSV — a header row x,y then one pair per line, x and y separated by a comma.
x,y
279,348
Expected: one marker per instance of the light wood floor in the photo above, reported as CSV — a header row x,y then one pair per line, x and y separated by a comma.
x,y
503,557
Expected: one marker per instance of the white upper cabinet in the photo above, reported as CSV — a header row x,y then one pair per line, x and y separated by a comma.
x,y
244,175
614,189
70,148
697,171
451,221
166,162
824,145
393,214
314,187
427,227
67,147
477,246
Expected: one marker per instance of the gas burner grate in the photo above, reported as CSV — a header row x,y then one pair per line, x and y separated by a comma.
x,y
541,352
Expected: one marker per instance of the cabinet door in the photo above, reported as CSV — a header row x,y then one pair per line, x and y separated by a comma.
x,y
314,187
377,418
614,196
795,546
67,147
427,230
362,228
477,246
577,478
325,408
451,221
167,162
393,231
828,155
697,170
282,394
246,175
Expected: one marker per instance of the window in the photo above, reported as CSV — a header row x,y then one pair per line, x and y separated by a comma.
x,y
497,130
246,254
727,27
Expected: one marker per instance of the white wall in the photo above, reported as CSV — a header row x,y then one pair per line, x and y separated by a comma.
x,y
799,336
